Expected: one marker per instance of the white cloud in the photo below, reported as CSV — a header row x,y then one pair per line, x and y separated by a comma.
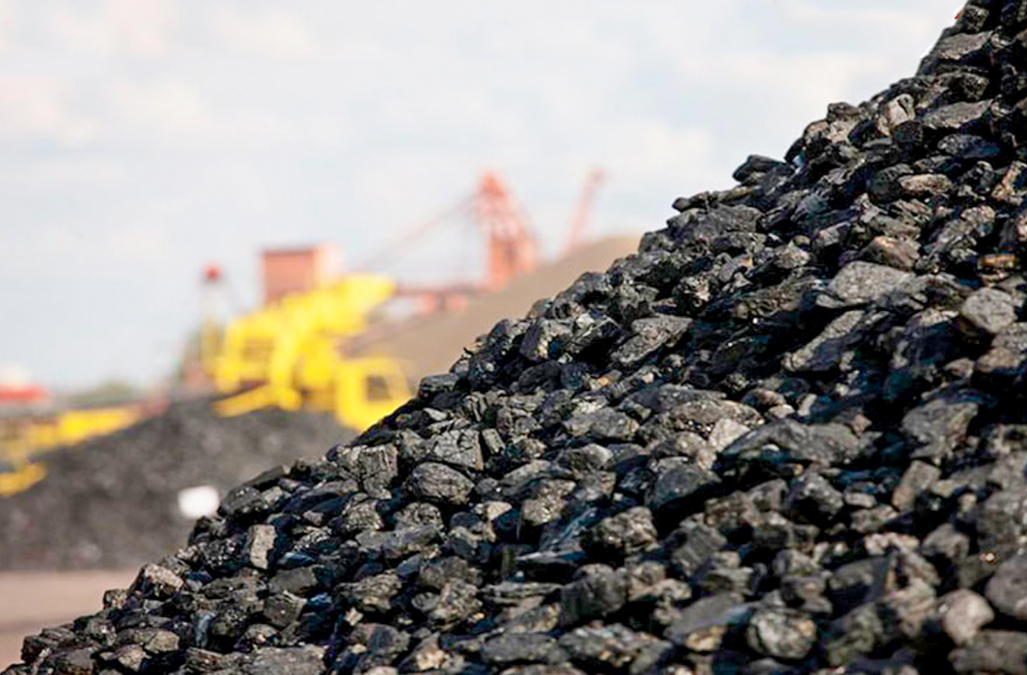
x,y
177,115
269,32
8,21
128,27
118,245
651,151
66,171
248,130
39,108
165,108
14,375
802,79
143,137
893,18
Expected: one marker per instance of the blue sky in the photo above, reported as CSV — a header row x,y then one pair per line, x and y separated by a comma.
x,y
141,139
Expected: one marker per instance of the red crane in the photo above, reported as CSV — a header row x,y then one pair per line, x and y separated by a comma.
x,y
583,212
510,245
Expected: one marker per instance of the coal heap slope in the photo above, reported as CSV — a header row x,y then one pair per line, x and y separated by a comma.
x,y
788,435
112,502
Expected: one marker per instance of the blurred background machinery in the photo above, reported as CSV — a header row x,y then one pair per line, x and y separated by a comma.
x,y
33,421
290,352
332,342
352,343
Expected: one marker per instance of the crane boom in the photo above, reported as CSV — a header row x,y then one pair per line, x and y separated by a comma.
x,y
510,245
583,212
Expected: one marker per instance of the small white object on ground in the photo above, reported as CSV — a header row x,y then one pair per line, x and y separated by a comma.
x,y
199,501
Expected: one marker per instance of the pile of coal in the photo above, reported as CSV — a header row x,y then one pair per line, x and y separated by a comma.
x,y
788,436
123,499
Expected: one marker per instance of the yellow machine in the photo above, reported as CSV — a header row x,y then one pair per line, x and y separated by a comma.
x,y
24,437
74,426
15,479
287,355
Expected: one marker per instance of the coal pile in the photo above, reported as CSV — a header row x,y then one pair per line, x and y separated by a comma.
x,y
788,436
113,502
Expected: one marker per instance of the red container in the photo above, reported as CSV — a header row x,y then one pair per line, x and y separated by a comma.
x,y
295,270
30,393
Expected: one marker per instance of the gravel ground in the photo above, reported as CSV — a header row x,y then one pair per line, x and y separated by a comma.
x,y
789,436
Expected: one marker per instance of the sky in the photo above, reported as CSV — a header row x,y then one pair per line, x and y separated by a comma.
x,y
142,139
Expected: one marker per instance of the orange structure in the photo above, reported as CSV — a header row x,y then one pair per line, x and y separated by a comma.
x,y
295,270
510,244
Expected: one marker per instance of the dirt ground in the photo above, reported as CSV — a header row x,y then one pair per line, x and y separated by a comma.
x,y
30,601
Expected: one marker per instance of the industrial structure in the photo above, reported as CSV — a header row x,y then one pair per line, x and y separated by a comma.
x,y
297,350
316,341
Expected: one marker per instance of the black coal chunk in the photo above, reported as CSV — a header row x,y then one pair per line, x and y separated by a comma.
x,y
788,436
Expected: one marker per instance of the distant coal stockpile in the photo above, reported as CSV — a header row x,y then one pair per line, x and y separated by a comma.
x,y
122,499
788,436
